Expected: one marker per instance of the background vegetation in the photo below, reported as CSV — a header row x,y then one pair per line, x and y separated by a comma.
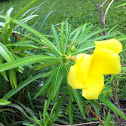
x,y
77,12
30,105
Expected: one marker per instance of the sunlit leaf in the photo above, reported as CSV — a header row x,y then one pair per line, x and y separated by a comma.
x,y
4,102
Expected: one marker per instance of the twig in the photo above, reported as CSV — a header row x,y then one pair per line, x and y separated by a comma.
x,y
88,123
95,115
95,4
108,9
16,36
101,17
104,3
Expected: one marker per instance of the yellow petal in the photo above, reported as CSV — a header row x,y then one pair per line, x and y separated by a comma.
x,y
78,73
111,44
94,89
104,62
78,57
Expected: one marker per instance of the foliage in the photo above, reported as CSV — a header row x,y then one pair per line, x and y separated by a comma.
x,y
34,72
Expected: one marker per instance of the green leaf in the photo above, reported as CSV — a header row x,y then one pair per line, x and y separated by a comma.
x,y
82,50
20,109
91,35
77,97
46,65
56,38
23,9
22,85
112,106
107,121
46,84
70,110
111,29
27,109
44,111
44,40
62,38
121,38
4,72
25,61
56,82
5,53
95,106
9,11
58,86
11,19
67,34
30,100
24,45
4,102
27,124
123,68
120,5
84,32
74,39
12,78
59,104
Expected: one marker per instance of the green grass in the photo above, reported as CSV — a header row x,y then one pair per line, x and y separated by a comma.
x,y
76,11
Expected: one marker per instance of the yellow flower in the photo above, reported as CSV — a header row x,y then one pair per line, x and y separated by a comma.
x,y
89,70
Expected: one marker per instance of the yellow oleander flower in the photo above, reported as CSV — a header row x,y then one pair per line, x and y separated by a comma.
x,y
89,70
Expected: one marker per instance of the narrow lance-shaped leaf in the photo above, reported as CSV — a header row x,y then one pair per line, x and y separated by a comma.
x,y
11,19
55,81
67,35
62,38
5,53
25,61
95,106
70,110
91,35
107,121
84,32
45,41
23,9
58,86
74,39
56,38
77,96
20,109
4,102
44,111
112,106
59,104
46,84
22,85
4,72
12,78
